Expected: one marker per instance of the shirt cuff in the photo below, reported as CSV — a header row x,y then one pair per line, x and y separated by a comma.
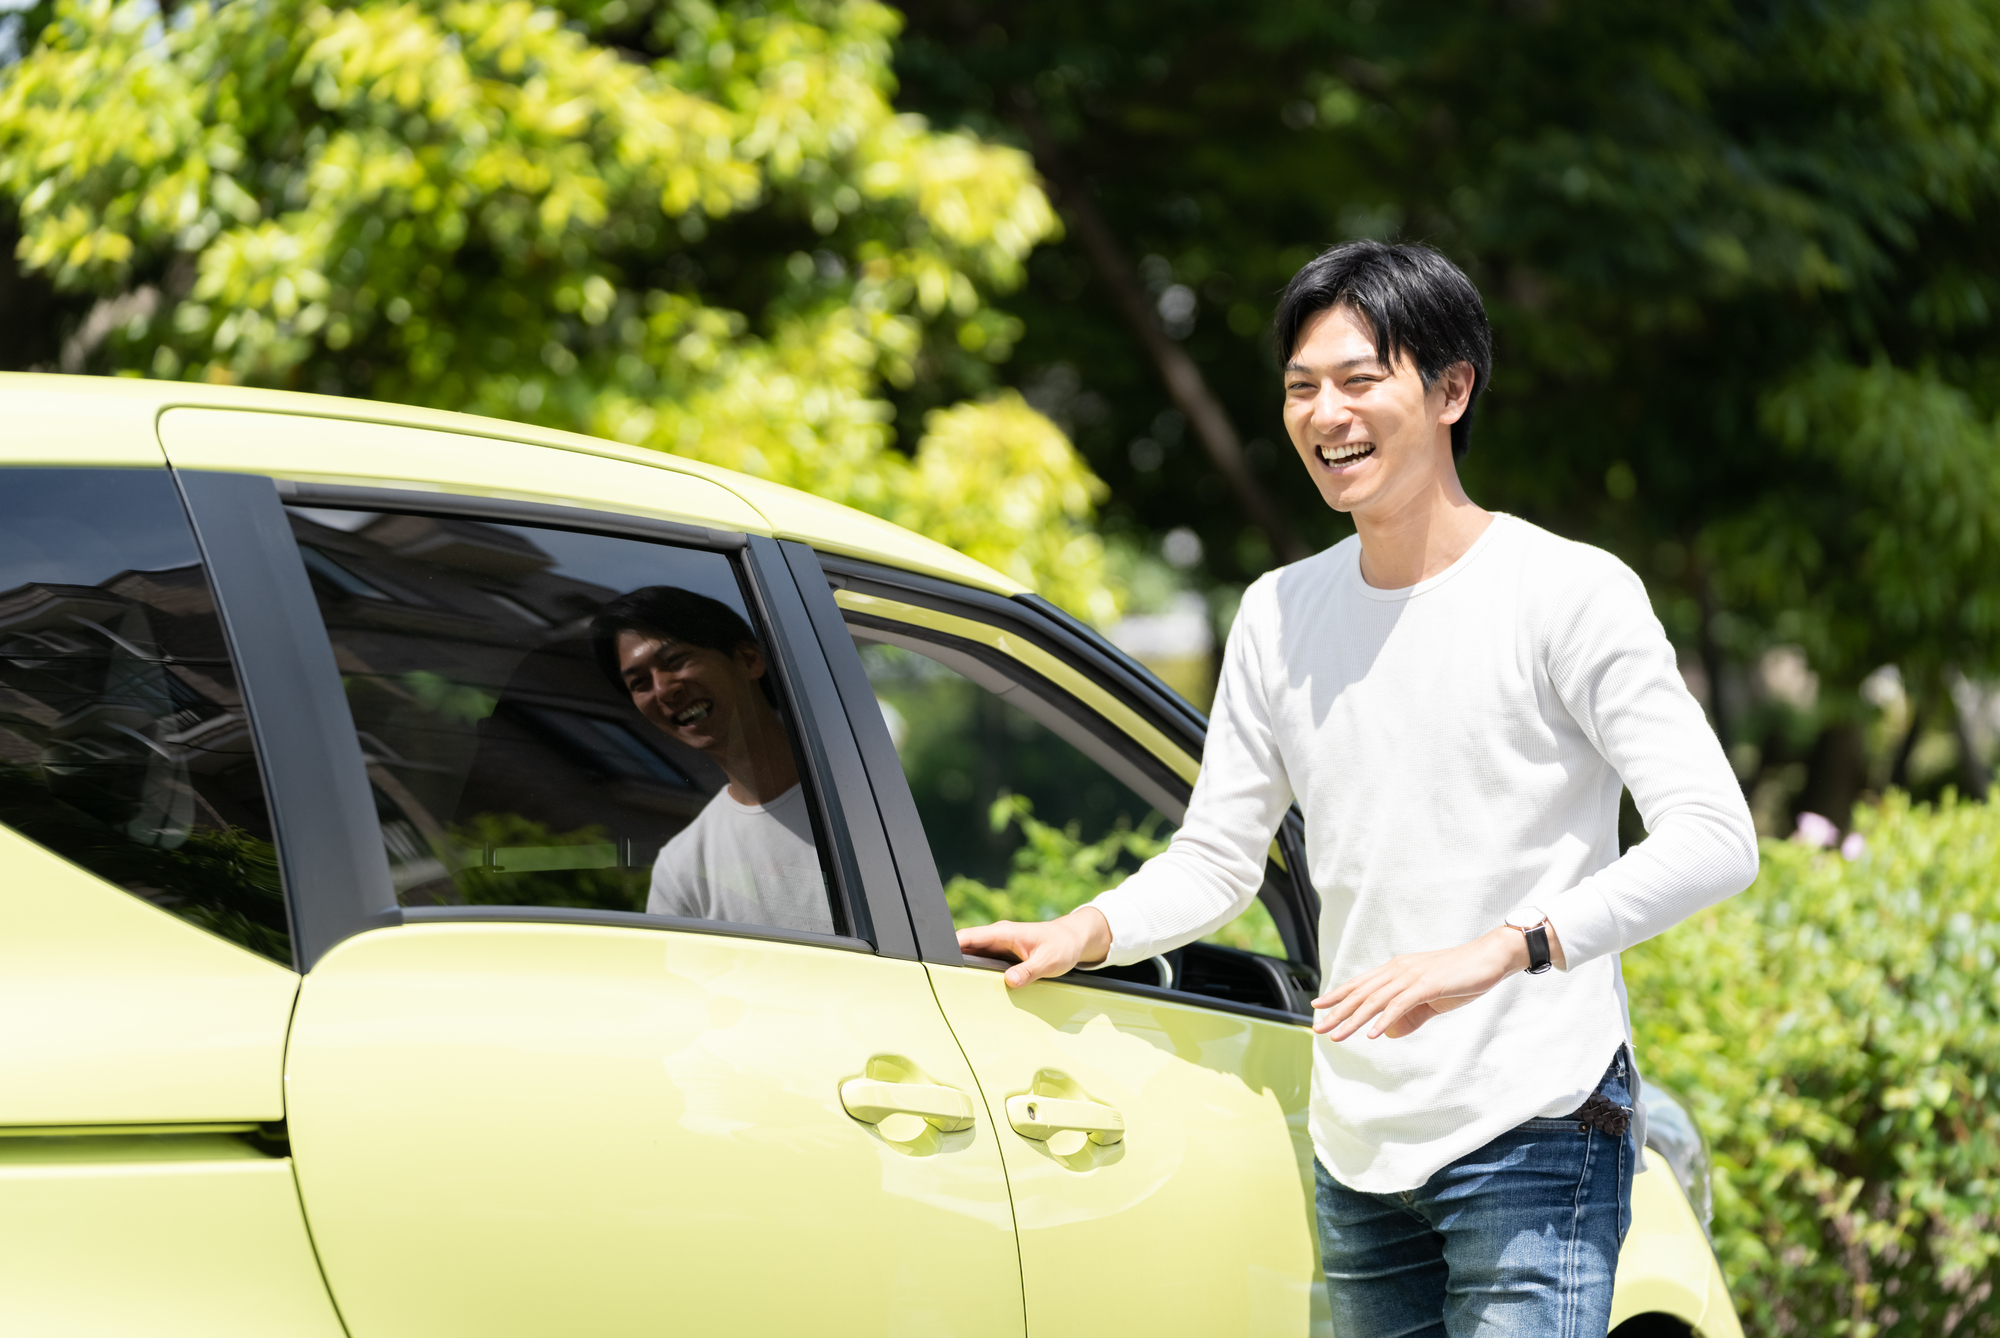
x,y
1583,924
1129,940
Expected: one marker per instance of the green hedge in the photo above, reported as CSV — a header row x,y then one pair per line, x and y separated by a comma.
x,y
1837,1030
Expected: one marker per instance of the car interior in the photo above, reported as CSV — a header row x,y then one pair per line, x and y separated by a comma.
x,y
993,751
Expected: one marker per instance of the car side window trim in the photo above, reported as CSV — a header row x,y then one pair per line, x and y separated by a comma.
x,y
864,873
572,915
1155,992
330,855
920,890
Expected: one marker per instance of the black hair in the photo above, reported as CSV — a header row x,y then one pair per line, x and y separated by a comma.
x,y
1413,302
669,611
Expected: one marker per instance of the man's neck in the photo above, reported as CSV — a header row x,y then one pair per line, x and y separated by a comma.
x,y
760,769
1419,536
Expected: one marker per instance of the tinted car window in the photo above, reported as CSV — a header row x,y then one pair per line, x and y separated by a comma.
x,y
560,719
123,741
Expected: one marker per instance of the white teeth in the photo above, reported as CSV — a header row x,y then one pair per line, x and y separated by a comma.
x,y
693,715
1339,455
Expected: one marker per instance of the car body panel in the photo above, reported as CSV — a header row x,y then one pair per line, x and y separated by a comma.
x,y
71,420
1667,1266
833,528
56,419
187,1236
329,450
524,1129
1208,1168
121,1013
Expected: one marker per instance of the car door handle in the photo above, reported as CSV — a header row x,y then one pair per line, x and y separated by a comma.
x,y
1042,1117
872,1100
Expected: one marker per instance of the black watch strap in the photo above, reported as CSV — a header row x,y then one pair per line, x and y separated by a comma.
x,y
1538,948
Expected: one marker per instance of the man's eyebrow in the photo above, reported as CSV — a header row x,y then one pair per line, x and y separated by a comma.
x,y
1291,367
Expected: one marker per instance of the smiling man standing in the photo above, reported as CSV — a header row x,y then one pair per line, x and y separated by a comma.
x,y
1454,698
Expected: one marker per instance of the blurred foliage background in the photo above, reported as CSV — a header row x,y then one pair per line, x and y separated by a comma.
x,y
1005,273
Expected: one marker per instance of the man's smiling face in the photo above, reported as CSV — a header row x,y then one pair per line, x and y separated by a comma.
x,y
695,694
1367,431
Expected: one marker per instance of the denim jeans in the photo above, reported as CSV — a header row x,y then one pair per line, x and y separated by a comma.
x,y
1516,1240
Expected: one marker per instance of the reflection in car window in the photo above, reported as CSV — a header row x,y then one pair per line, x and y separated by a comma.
x,y
123,740
561,719
1023,825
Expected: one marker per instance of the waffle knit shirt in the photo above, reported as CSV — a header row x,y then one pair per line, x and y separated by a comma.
x,y
1457,749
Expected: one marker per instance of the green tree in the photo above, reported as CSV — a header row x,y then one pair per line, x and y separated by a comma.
x,y
699,228
1740,260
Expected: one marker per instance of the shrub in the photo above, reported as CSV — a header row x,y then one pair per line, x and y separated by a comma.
x,y
1837,1030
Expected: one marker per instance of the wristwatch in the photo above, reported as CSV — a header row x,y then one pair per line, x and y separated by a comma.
x,y
1534,927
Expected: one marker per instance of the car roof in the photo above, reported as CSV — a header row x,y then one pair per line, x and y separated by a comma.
x,y
58,419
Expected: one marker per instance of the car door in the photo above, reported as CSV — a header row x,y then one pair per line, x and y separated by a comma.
x,y
146,955
1152,1119
520,1103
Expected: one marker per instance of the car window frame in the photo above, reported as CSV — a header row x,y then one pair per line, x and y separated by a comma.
x,y
335,870
1109,670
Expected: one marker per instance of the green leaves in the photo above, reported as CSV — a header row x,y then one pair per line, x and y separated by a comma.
x,y
1885,541
1055,871
1837,1027
713,236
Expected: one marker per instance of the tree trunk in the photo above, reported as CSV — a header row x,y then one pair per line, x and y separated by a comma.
x,y
1711,658
1185,384
1972,777
1835,773
1899,770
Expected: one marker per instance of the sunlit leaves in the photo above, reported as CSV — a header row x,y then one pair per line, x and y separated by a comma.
x,y
725,246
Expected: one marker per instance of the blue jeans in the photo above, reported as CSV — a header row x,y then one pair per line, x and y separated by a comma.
x,y
1519,1238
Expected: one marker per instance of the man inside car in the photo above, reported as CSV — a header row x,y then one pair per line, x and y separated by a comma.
x,y
696,673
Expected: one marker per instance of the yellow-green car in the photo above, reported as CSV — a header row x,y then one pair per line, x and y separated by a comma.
x,y
332,998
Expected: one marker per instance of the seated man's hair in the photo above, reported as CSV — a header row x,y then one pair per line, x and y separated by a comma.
x,y
1413,301
671,612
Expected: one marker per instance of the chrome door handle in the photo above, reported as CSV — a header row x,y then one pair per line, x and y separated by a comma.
x,y
872,1100
1046,1118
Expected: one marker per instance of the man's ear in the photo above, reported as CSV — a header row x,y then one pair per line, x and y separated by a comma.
x,y
751,656
1456,383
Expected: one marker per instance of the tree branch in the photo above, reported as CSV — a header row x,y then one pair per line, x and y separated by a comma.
x,y
1185,384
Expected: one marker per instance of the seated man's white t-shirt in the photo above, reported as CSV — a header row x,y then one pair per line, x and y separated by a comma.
x,y
752,864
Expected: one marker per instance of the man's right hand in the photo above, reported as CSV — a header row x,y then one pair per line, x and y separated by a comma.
x,y
1044,947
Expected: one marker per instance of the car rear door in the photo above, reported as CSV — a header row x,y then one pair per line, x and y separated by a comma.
x,y
519,1103
1152,1119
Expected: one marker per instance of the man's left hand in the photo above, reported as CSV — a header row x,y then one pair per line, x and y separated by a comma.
x,y
1408,991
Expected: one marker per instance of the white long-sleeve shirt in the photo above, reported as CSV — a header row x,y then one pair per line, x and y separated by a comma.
x,y
1457,749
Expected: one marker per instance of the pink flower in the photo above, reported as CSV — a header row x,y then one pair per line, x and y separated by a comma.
x,y
1815,830
1852,847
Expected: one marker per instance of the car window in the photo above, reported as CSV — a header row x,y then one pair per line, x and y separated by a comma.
x,y
124,746
1029,814
558,719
